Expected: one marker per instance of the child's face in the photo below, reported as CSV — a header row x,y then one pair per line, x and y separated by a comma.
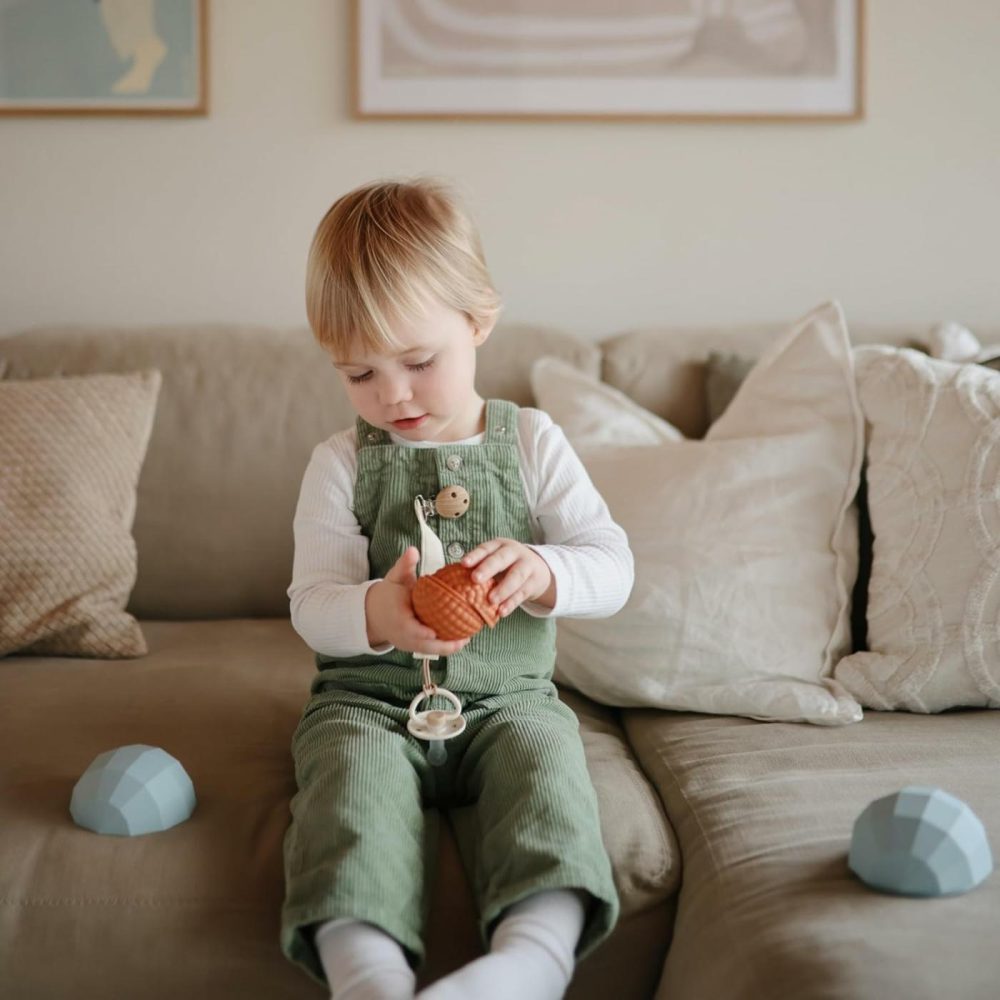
x,y
426,391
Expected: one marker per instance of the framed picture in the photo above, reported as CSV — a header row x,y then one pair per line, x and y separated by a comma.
x,y
609,59
104,57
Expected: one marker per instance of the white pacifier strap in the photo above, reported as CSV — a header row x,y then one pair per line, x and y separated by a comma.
x,y
434,725
431,551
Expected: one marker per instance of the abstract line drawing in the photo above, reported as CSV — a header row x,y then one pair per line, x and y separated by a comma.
x,y
668,58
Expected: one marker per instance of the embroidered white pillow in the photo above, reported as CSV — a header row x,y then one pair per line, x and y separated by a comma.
x,y
745,546
592,410
933,430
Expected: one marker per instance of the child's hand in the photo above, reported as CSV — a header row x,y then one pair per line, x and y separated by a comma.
x,y
389,612
526,575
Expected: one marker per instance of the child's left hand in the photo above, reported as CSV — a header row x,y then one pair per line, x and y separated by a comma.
x,y
526,575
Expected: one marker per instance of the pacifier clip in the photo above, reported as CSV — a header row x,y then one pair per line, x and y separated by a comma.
x,y
433,725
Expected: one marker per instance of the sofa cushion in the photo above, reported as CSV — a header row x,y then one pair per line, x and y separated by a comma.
x,y
724,374
934,595
240,411
665,368
640,841
193,911
764,815
70,455
594,411
745,546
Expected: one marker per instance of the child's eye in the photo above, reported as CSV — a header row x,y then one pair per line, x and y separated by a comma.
x,y
355,379
422,366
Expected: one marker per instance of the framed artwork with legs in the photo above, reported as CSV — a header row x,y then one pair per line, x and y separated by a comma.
x,y
104,57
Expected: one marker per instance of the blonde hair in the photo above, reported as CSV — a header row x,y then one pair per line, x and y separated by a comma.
x,y
381,252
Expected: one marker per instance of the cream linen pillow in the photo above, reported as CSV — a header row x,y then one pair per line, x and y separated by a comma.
x,y
70,455
933,431
745,546
598,413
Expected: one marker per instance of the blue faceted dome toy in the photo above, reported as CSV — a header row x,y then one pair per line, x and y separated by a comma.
x,y
920,842
132,790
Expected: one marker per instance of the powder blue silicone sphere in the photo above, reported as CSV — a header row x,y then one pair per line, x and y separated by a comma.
x,y
920,842
132,790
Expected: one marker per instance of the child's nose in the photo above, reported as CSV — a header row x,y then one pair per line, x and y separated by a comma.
x,y
395,389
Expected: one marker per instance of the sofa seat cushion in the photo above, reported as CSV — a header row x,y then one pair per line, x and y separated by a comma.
x,y
193,911
764,814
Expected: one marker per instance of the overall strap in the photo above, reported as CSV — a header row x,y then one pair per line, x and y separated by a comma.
x,y
369,436
501,421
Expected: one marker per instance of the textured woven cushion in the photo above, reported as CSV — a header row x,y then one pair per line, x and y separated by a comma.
x,y
934,499
70,456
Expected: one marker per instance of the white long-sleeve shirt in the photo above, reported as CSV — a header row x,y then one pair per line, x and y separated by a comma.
x,y
572,531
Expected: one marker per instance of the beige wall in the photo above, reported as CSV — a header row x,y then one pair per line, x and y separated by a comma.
x,y
590,226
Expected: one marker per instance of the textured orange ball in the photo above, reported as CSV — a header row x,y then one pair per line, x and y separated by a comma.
x,y
452,603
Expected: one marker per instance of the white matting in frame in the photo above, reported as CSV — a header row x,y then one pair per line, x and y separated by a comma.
x,y
609,58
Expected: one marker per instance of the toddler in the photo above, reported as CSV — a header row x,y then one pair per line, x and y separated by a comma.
x,y
399,296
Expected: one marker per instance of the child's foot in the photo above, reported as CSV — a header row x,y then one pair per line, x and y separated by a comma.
x,y
531,954
362,962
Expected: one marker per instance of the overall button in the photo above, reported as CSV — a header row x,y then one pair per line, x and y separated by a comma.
x,y
454,462
373,436
455,551
452,501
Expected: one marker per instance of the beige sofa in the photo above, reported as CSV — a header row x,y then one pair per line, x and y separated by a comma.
x,y
728,837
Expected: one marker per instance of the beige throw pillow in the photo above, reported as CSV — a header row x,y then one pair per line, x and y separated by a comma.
x,y
745,545
70,454
933,430
596,412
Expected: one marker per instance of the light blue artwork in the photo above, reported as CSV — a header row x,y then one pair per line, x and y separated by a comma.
x,y
132,790
920,841
101,55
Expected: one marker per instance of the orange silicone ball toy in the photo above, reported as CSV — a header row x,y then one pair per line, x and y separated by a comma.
x,y
452,603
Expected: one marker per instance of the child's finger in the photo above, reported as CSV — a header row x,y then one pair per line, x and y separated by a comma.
x,y
511,583
481,551
403,570
512,603
495,563
439,647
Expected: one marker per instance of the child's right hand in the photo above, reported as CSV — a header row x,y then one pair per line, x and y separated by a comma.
x,y
389,612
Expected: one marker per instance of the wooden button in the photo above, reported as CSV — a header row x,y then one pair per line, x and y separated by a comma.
x,y
452,501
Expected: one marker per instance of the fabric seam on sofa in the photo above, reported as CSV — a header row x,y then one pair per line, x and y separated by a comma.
x,y
735,943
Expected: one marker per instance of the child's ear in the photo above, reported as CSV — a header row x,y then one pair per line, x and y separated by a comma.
x,y
481,331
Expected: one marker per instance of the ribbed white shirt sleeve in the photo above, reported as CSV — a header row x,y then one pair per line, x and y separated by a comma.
x,y
572,531
585,549
330,570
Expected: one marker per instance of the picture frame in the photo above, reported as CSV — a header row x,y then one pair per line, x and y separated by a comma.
x,y
104,57
689,60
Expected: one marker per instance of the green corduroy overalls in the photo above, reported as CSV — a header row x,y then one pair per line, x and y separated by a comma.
x,y
362,842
